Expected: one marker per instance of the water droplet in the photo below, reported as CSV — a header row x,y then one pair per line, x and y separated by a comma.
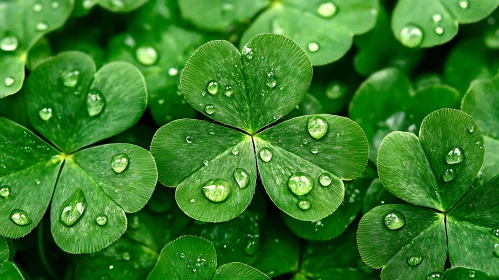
x,y
496,251
9,43
37,7
325,179
242,177
495,232
464,4
20,217
300,183
434,276
146,55
304,204
471,129
72,209
45,114
119,162
55,5
228,91
439,30
314,150
216,190
327,10
117,3
394,220
70,78
235,151
192,200
436,17
9,81
173,72
126,256
449,175
266,154
95,102
41,26
454,156
212,87
209,109
181,255
101,219
414,261
313,47
5,191
189,139
247,52
270,81
317,127
336,90
411,36
251,248
206,162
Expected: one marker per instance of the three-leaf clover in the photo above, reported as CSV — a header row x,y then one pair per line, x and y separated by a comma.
x,y
190,257
301,162
18,36
72,106
8,269
449,218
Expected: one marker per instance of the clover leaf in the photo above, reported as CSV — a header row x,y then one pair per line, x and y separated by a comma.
x,y
18,36
325,29
72,106
386,102
429,23
449,218
250,91
8,270
190,257
458,273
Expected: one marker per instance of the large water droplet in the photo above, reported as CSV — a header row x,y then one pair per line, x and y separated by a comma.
x,y
242,177
449,175
434,276
5,191
119,162
327,10
313,47
216,190
266,154
464,4
70,78
45,113
20,217
300,183
209,109
304,204
95,102
270,81
212,87
414,261
9,43
146,55
8,81
317,127
72,209
394,220
101,220
42,26
454,156
325,179
411,36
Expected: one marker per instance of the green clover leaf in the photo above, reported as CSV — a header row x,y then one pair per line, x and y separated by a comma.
x,y
8,269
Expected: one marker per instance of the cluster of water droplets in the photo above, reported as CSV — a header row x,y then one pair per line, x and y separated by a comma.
x,y
453,156
193,264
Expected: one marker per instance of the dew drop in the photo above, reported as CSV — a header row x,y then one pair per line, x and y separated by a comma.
x,y
172,72
45,113
5,191
9,43
434,276
206,162
209,109
439,30
251,248
42,26
126,256
55,5
247,52
454,156
101,220
336,90
436,17
20,217
212,87
464,4
414,261
300,183
216,190
181,255
495,232
317,127
327,10
314,150
95,102
119,162
146,55
242,177
313,47
411,36
9,81
72,209
471,274
37,7
188,139
235,151
325,179
228,91
70,78
117,3
304,204
270,81
471,129
266,154
394,220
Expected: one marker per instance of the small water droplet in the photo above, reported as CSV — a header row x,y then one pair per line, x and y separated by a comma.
x,y
317,127
5,191
471,129
41,26
449,175
436,17
314,150
95,102
45,113
266,154
235,151
247,52
212,87
55,5
454,156
394,220
336,90
471,274
228,91
70,78
9,81
189,139
181,255
251,248
313,47
270,81
172,72
242,177
37,7
216,190
300,183
434,276
119,162
496,250
304,204
325,179
464,4
414,261
327,9
495,232
206,162
101,219
72,209
126,256
146,55
411,36
192,200
209,109
439,30
20,217
9,43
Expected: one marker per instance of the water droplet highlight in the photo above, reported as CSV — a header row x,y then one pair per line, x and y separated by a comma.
x,y
20,217
235,151
300,183
266,154
188,139
172,72
45,113
42,26
228,91
212,87
454,156
270,81
434,276
317,127
313,47
325,179
251,248
436,17
242,177
247,52
95,102
464,4
146,55
70,78
411,36
314,150
471,129
216,190
327,10
5,191
9,43
37,7
449,175
394,220
414,261
495,232
209,109
119,162
304,204
72,209
8,81
101,220
439,30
